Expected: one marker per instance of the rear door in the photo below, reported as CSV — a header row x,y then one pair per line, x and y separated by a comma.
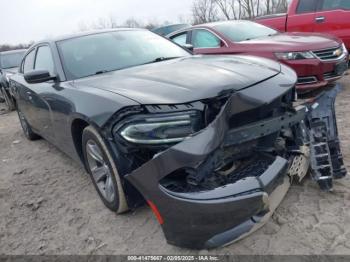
x,y
302,19
21,88
333,17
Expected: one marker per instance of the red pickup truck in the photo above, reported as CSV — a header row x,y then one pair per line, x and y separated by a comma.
x,y
322,16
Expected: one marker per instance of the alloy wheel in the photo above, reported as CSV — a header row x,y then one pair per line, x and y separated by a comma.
x,y
100,171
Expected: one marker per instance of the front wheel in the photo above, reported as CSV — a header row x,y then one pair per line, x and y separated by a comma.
x,y
103,171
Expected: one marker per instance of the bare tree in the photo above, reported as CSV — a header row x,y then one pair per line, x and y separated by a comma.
x,y
280,6
237,9
8,47
110,22
225,6
105,23
132,23
204,11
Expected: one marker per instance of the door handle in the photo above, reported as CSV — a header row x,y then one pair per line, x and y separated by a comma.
x,y
320,19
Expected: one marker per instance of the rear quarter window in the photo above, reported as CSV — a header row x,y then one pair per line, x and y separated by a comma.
x,y
180,39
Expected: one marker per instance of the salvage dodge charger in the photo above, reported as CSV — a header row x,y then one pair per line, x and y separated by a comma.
x,y
211,144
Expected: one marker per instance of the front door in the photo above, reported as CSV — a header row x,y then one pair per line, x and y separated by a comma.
x,y
41,113
303,18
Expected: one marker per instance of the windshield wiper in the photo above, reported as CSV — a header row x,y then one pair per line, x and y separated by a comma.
x,y
161,59
100,72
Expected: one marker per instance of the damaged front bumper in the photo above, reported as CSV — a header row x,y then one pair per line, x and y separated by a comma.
x,y
209,215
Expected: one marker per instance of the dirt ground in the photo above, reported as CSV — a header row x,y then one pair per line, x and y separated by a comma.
x,y
49,206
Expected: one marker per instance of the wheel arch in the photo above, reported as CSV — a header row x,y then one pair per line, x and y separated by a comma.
x,y
78,124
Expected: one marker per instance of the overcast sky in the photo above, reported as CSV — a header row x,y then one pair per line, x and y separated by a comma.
x,y
22,21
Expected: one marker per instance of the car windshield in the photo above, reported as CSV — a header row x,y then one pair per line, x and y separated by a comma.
x,y
244,30
11,60
109,51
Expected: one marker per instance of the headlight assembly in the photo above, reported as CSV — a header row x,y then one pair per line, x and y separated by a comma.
x,y
295,55
160,128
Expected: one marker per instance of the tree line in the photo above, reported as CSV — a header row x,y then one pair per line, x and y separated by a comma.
x,y
204,11
8,47
111,22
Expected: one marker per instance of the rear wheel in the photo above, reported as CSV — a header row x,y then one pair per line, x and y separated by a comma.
x,y
10,105
27,130
103,171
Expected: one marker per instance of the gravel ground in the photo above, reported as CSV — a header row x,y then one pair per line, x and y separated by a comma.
x,y
49,206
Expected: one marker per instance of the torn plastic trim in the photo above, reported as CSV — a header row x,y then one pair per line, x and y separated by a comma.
x,y
326,157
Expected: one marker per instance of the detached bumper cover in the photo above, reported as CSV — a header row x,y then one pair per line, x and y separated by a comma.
x,y
220,216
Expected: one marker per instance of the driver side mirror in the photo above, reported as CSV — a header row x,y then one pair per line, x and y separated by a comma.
x,y
188,47
38,76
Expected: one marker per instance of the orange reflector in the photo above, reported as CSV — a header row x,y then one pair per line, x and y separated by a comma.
x,y
156,212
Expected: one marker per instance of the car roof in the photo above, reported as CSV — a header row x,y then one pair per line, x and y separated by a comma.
x,y
86,33
223,23
208,25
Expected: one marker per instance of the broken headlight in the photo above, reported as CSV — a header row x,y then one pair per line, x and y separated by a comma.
x,y
160,129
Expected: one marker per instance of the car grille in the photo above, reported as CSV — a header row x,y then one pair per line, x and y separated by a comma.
x,y
330,75
307,80
329,54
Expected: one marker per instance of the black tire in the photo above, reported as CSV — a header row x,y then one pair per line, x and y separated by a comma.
x,y
103,171
27,130
10,104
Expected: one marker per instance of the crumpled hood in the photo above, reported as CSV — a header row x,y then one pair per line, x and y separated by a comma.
x,y
185,79
287,42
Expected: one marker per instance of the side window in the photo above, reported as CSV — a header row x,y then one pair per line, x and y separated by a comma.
x,y
335,4
180,39
44,60
307,6
204,39
28,62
